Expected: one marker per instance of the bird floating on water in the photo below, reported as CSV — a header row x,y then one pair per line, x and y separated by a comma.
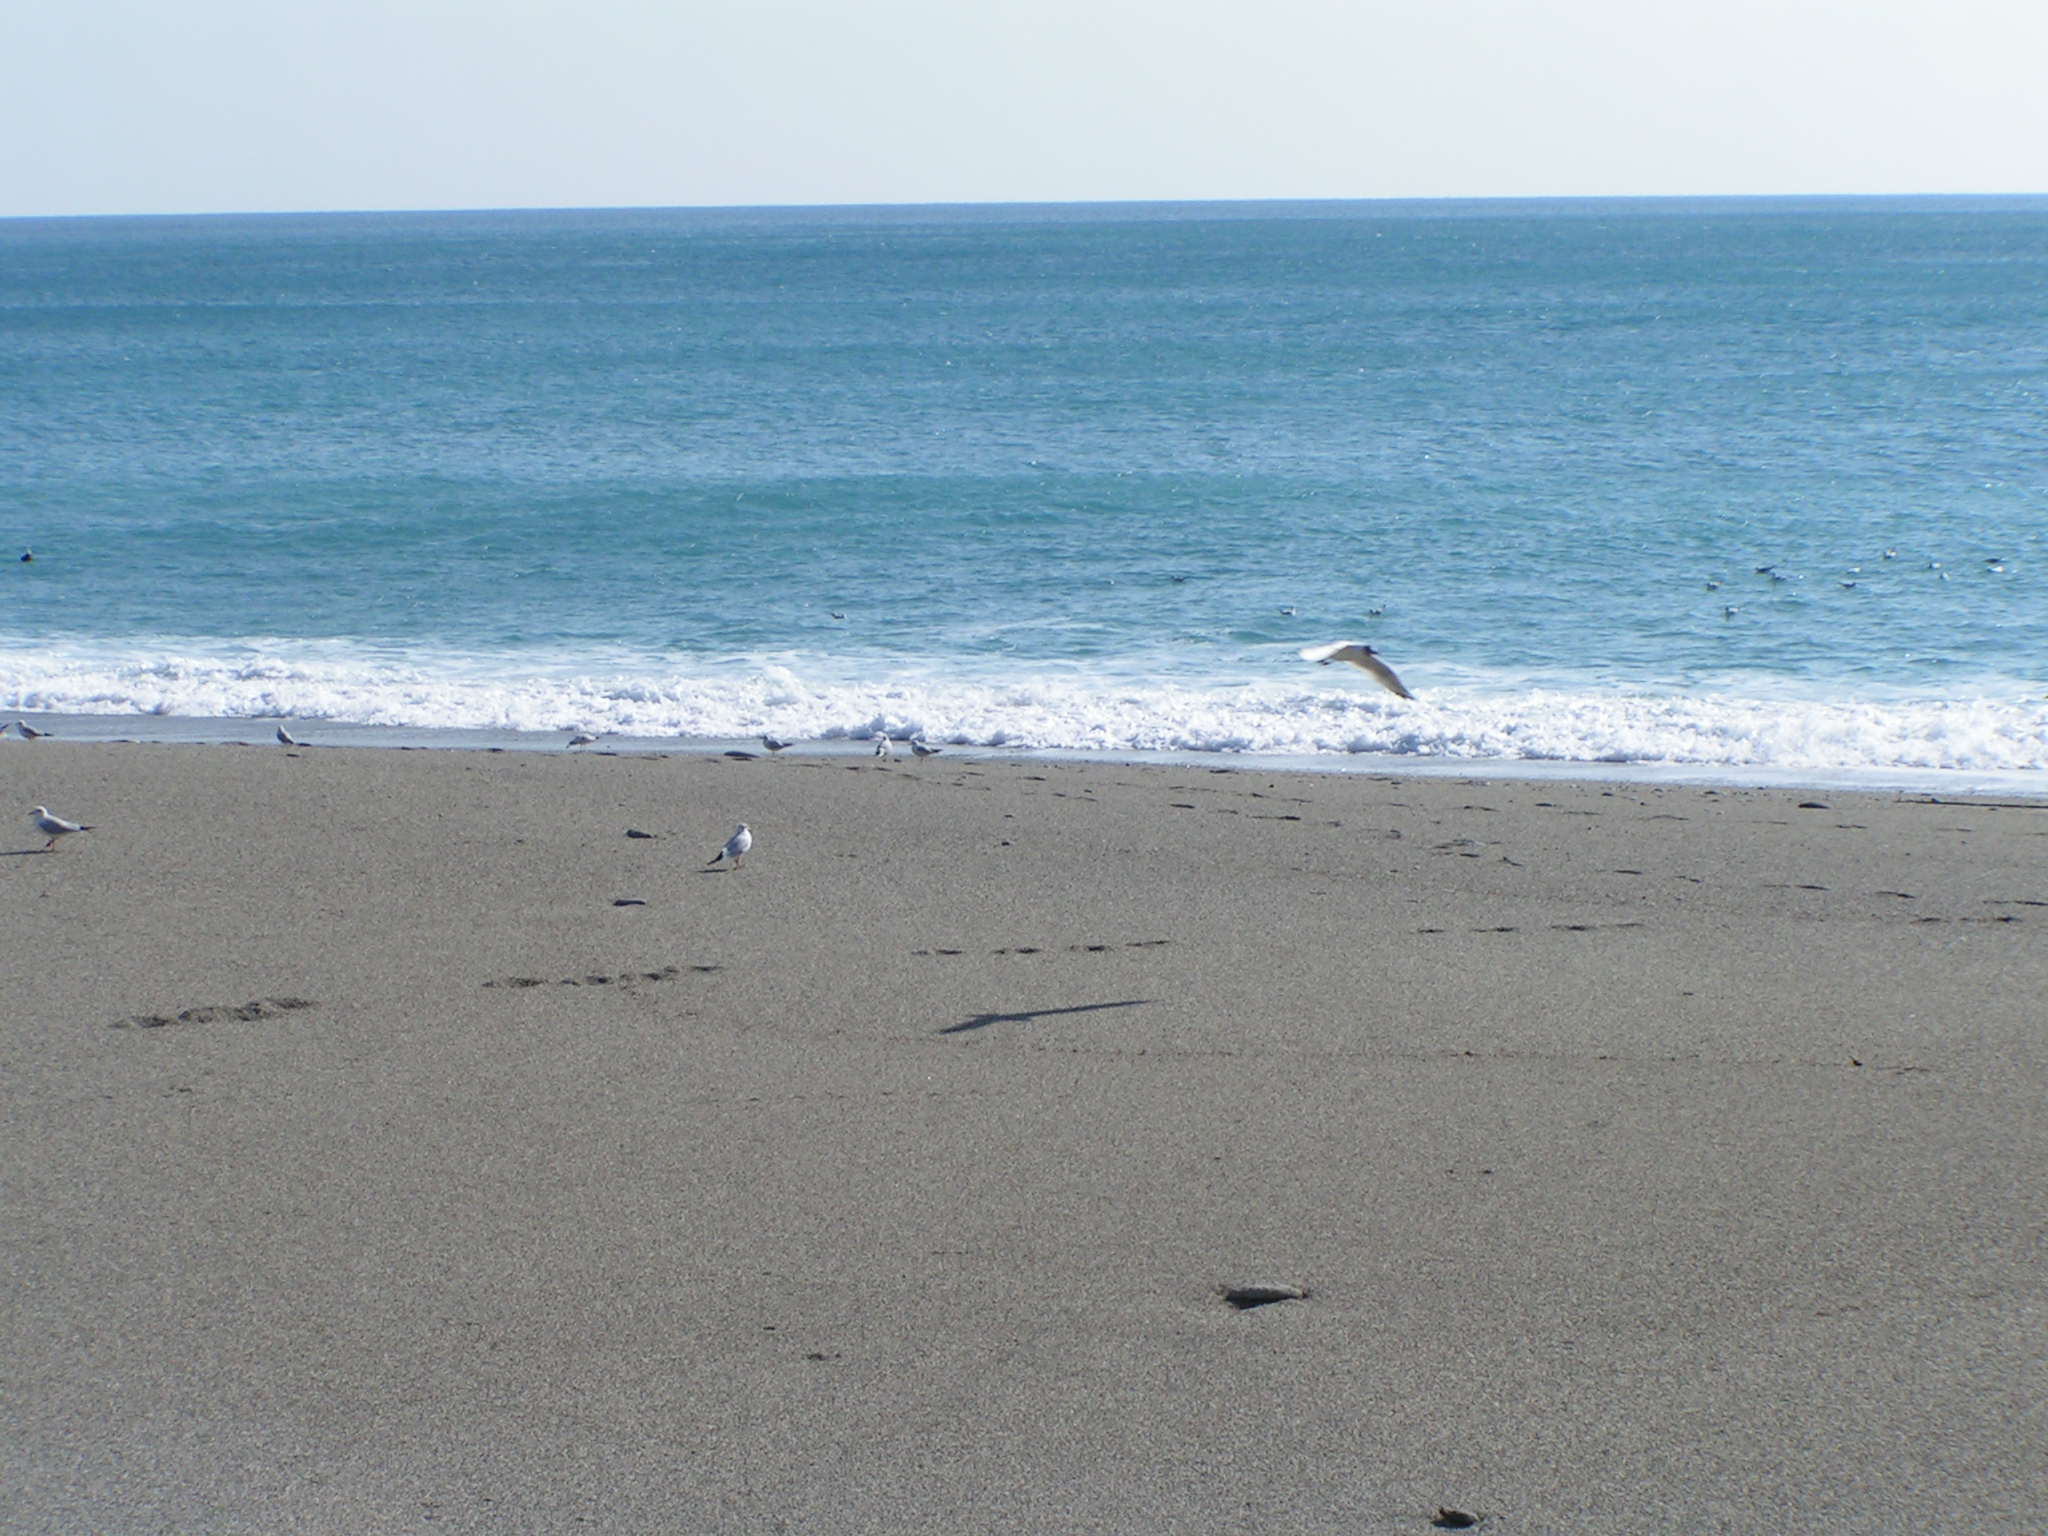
x,y
735,848
54,827
1362,657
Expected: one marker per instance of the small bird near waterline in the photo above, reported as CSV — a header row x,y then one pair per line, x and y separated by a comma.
x,y
1362,657
28,732
54,827
285,738
581,739
774,745
884,748
735,848
924,749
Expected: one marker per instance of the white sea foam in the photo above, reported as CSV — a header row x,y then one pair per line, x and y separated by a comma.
x,y
1999,731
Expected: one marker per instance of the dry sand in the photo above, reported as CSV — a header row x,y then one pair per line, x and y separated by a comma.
x,y
1653,1159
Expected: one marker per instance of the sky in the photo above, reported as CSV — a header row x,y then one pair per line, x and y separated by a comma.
x,y
119,106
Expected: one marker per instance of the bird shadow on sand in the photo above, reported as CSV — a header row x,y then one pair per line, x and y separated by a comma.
x,y
983,1020
23,853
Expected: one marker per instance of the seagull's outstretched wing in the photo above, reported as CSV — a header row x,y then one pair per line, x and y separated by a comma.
x,y
1362,657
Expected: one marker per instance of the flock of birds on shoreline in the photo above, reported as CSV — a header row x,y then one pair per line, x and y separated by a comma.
x,y
1355,652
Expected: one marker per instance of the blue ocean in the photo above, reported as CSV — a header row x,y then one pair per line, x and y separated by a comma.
x,y
1751,487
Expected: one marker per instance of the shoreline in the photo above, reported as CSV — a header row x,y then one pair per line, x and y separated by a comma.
x,y
401,1132
258,732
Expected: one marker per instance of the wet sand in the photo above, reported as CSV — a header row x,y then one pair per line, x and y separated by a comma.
x,y
1651,1158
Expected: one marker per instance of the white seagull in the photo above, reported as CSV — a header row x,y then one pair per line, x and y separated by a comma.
x,y
1362,657
775,744
285,738
28,732
924,749
884,749
735,847
54,827
581,739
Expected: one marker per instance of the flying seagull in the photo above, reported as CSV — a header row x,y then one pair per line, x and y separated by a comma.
x,y
28,732
735,847
1362,657
54,827
285,738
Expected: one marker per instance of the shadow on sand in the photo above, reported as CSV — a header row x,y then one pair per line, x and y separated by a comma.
x,y
983,1020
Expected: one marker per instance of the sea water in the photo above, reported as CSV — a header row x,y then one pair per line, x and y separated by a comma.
x,y
1736,486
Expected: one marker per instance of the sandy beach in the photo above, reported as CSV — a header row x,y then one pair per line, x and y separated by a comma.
x,y
394,1140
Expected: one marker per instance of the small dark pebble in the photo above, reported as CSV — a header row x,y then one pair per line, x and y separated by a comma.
x,y
636,832
1245,1297
745,757
1454,1520
629,901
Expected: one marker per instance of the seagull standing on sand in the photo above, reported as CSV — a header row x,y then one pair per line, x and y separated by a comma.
x,y
735,848
1362,657
54,827
884,749
924,749
28,732
775,745
581,739
285,738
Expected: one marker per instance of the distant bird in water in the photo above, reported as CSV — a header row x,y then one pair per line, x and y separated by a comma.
x,y
1288,611
884,748
29,732
838,615
1848,586
1362,657
581,739
27,555
1891,554
1729,613
54,827
774,745
735,848
924,749
1713,586
285,738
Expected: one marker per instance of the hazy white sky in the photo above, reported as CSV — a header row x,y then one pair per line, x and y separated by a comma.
x,y
119,106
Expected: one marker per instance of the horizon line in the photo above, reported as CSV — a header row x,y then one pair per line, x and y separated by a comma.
x,y
1929,200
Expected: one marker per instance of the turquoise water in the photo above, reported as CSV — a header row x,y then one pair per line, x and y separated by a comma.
x,y
1076,478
